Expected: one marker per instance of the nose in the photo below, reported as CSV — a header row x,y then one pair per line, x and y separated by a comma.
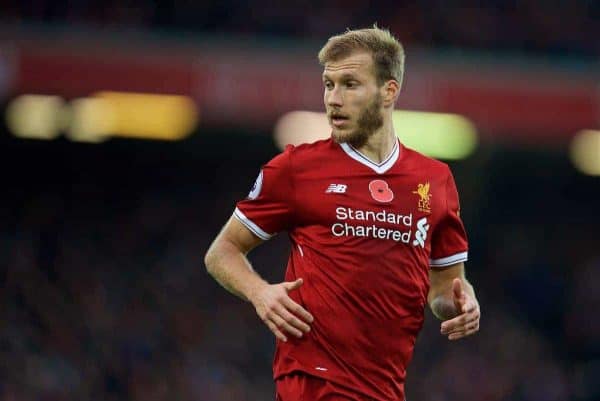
x,y
334,97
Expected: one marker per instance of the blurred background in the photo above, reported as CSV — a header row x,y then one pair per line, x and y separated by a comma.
x,y
129,129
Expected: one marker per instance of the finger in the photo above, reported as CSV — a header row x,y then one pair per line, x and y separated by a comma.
x,y
467,330
469,306
297,310
470,317
472,326
276,331
452,324
292,320
293,285
285,326
457,288
469,326
459,322
456,336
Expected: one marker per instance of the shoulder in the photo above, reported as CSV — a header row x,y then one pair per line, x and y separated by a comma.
x,y
302,157
312,151
304,149
425,163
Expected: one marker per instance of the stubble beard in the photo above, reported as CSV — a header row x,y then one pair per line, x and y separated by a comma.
x,y
369,121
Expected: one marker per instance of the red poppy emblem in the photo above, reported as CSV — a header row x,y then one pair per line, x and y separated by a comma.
x,y
380,191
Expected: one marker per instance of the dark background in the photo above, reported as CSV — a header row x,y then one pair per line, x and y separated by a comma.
x,y
103,291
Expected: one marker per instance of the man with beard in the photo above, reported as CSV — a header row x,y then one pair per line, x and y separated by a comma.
x,y
357,280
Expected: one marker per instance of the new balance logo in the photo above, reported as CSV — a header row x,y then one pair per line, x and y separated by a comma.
x,y
336,189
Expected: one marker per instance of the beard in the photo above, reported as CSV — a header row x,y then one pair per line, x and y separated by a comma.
x,y
368,122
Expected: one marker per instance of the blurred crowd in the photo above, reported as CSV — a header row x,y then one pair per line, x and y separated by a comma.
x,y
103,292
104,295
558,27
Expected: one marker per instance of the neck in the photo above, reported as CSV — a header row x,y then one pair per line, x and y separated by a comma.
x,y
379,145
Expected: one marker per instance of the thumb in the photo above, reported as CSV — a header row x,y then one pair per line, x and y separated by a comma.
x,y
293,285
457,289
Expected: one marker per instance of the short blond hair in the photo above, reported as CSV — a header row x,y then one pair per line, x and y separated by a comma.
x,y
386,50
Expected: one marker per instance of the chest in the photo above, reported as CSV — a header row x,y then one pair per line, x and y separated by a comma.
x,y
387,201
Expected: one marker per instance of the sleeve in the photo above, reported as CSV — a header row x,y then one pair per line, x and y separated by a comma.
x,y
268,208
449,243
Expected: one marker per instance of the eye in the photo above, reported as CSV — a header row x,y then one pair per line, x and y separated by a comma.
x,y
351,84
328,85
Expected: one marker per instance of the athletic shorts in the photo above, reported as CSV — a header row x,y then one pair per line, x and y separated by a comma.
x,y
299,386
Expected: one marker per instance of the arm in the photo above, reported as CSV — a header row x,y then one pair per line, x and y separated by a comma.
x,y
452,299
227,263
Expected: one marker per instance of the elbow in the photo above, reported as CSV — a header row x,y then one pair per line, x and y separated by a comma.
x,y
210,260
219,254
215,256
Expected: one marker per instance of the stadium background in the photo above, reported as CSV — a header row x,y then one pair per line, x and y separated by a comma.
x,y
103,293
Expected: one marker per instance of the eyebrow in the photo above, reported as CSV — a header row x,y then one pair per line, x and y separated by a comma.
x,y
344,76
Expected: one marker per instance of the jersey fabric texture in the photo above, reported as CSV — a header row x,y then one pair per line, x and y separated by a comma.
x,y
364,236
303,387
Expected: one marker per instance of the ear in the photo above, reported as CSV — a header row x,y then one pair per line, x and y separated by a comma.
x,y
390,92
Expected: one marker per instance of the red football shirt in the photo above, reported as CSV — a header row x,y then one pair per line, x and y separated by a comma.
x,y
364,236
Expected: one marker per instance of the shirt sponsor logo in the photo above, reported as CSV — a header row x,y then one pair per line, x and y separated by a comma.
x,y
355,223
336,189
380,191
424,204
421,232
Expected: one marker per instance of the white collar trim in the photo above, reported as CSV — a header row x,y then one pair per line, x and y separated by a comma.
x,y
379,168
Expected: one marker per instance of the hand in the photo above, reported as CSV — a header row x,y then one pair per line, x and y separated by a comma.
x,y
467,321
279,312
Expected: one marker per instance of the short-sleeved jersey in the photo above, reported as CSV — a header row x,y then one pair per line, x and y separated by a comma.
x,y
364,236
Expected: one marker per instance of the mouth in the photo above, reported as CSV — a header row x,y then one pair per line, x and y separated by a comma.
x,y
338,120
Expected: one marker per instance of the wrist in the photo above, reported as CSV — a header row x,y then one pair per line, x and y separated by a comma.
x,y
254,289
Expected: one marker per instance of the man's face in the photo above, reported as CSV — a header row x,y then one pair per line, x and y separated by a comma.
x,y
352,99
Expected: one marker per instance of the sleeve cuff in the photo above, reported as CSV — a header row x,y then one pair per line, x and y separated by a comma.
x,y
250,225
449,260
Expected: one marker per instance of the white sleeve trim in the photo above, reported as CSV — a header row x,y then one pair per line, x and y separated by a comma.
x,y
449,260
259,232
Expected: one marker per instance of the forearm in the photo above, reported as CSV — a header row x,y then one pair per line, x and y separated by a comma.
x,y
232,269
441,301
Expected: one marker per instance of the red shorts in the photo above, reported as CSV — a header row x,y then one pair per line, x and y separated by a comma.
x,y
299,386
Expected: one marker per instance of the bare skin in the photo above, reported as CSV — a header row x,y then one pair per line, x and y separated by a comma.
x,y
452,299
226,261
350,87
360,113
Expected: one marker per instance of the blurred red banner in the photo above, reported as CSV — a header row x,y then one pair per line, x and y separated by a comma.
x,y
251,87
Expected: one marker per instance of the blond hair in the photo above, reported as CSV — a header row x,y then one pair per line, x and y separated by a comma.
x,y
386,50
